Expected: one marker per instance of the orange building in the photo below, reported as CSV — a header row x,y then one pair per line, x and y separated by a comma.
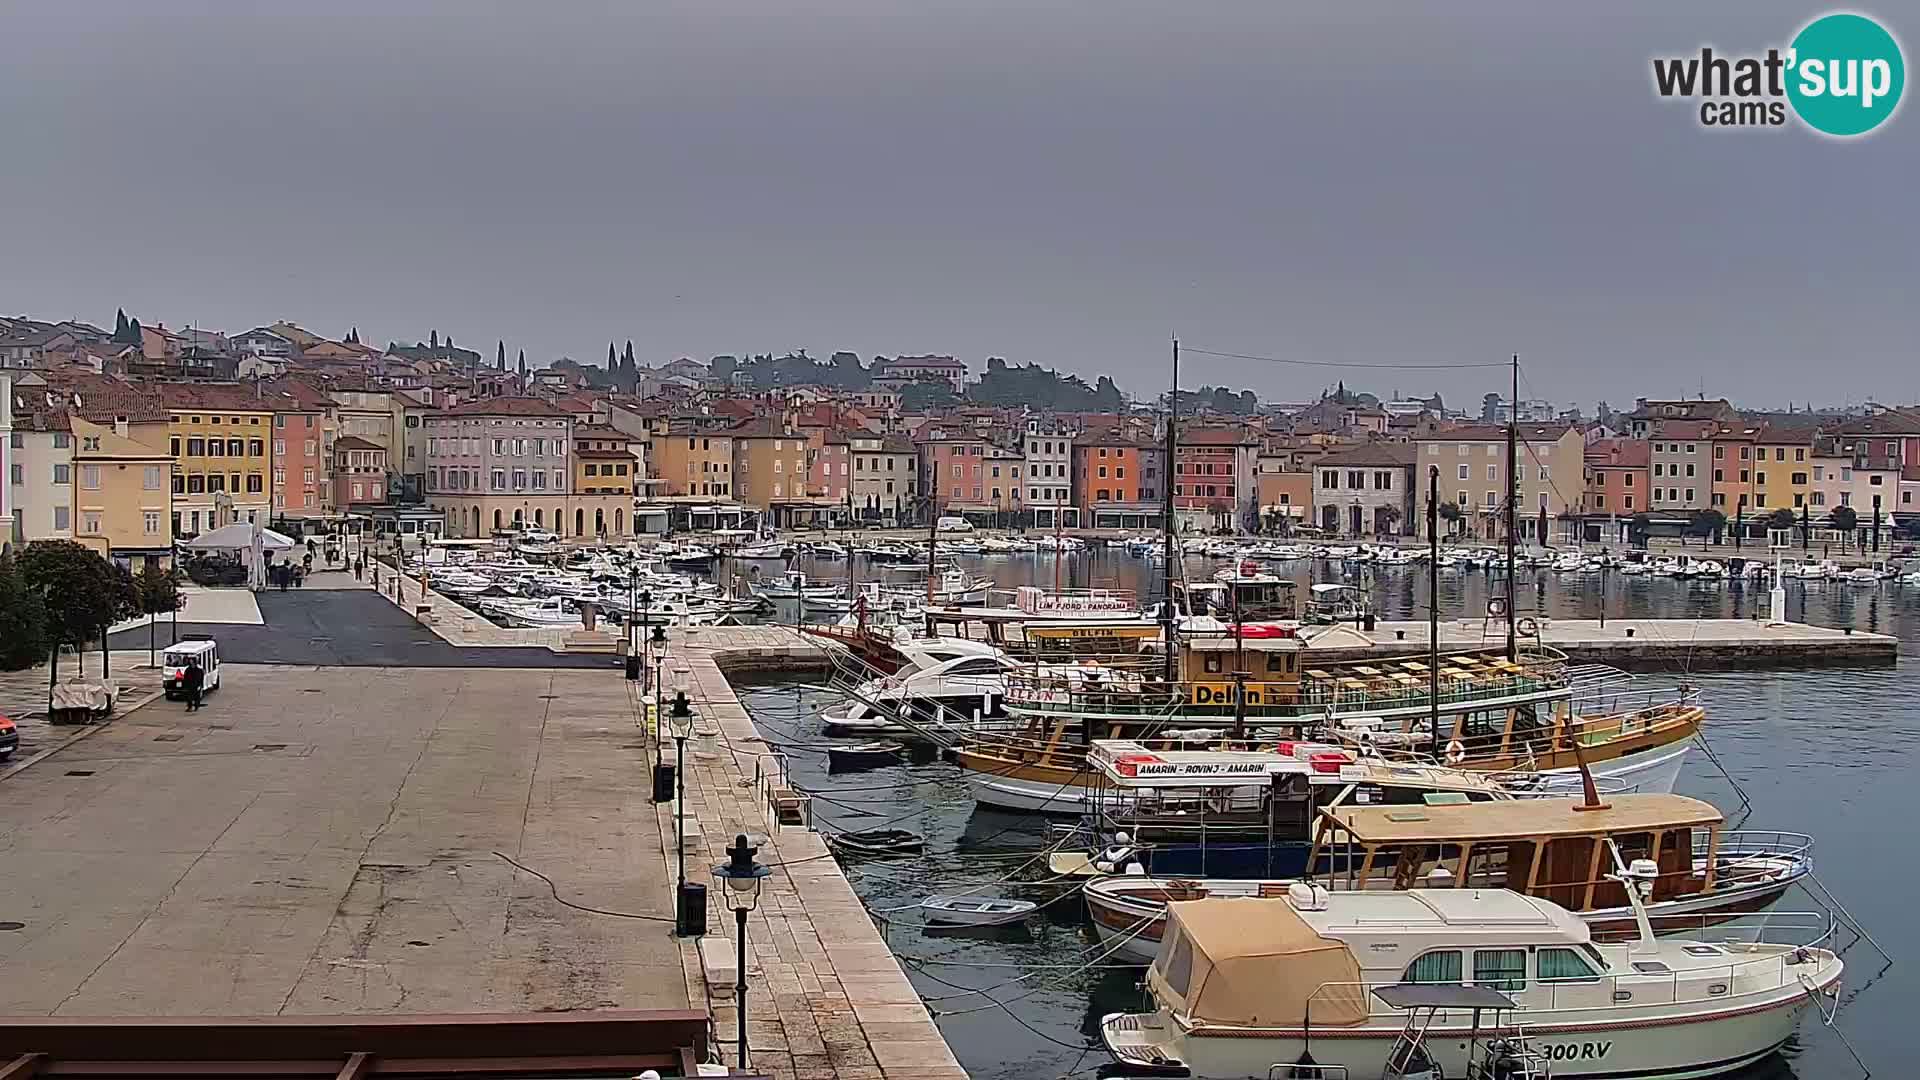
x,y
302,465
1618,481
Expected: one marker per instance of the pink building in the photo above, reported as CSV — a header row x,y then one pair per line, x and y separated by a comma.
x,y
302,426
359,472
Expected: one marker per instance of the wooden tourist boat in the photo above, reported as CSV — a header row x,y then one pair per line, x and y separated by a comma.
x,y
1550,848
1534,714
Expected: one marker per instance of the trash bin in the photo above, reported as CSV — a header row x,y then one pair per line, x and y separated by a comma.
x,y
633,667
691,917
1366,621
663,783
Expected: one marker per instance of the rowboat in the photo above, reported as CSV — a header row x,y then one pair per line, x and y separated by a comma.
x,y
875,843
974,910
867,754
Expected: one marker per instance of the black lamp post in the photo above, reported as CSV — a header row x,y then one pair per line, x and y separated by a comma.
x,y
740,877
680,724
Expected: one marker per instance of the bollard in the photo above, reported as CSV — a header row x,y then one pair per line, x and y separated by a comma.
x,y
693,910
1629,631
663,783
1400,635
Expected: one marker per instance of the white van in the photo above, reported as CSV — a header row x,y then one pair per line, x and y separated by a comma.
x,y
953,524
173,665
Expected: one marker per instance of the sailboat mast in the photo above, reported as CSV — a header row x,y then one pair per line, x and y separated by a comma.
x,y
1166,519
933,525
1513,501
1433,604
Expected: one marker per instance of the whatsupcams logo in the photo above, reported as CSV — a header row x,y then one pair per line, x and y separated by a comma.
x,y
1842,76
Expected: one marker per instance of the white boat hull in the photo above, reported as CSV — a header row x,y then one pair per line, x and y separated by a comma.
x,y
1653,771
1592,1044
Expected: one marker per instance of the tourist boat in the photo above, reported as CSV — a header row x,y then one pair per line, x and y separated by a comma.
x,y
953,685
1243,813
876,843
867,754
1249,986
1526,715
1550,848
974,910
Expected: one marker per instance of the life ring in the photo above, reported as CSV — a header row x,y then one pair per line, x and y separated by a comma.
x,y
1527,627
1456,752
1497,606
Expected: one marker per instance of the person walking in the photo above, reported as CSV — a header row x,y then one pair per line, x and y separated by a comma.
x,y
193,679
360,568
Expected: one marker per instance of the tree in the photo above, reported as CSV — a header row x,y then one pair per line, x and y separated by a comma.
x,y
1705,523
1637,528
120,324
1389,518
23,619
433,339
1844,518
922,395
500,355
613,362
81,592
1780,519
157,592
1451,513
133,332
523,368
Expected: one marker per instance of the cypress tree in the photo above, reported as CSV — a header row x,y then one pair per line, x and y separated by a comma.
x,y
500,355
120,324
433,339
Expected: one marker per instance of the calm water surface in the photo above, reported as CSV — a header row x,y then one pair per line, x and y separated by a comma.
x,y
1826,752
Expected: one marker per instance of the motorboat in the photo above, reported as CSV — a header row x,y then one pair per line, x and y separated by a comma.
x,y
1570,563
764,549
459,584
794,584
958,686
888,551
689,557
974,910
1705,875
553,611
1244,985
1330,602
827,549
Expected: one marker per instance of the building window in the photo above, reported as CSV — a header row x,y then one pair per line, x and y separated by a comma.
x,y
153,522
62,517
90,520
62,474
1463,473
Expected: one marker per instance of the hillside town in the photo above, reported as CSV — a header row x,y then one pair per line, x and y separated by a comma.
x,y
129,439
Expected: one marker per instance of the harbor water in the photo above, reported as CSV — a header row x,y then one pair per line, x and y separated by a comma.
x,y
1827,752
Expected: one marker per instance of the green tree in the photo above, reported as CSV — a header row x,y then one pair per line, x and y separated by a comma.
x,y
157,592
922,395
1451,513
133,332
1780,519
500,355
120,324
1705,523
23,619
82,593
1844,518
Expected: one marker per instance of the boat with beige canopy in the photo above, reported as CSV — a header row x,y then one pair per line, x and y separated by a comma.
x,y
1256,987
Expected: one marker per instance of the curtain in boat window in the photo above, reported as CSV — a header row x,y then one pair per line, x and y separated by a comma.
x,y
1435,967
1500,969
1564,964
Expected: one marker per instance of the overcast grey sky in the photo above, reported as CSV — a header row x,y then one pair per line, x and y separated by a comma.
x,y
1067,184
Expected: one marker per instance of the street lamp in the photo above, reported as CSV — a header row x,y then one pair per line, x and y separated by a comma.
x,y
740,876
679,722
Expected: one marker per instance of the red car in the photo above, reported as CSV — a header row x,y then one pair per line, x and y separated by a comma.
x,y
9,737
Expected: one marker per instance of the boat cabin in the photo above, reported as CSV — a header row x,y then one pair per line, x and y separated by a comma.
x,y
1555,849
1330,602
1240,595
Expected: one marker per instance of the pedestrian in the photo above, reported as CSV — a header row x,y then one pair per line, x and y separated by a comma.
x,y
376,577
360,568
192,680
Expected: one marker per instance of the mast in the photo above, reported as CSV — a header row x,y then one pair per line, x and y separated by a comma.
x,y
1166,519
1513,500
933,523
1433,604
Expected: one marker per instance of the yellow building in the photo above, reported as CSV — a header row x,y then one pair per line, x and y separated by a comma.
x,y
122,493
769,464
1762,467
219,437
691,462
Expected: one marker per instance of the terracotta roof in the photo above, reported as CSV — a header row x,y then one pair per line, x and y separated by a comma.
x,y
1498,433
1619,453
598,431
223,397
1892,422
1379,455
506,406
1683,429
1217,437
761,427
296,395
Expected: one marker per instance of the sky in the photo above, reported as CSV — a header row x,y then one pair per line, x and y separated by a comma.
x,y
1068,184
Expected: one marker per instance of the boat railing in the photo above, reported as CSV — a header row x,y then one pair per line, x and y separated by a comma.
x,y
1063,693
1758,851
1741,976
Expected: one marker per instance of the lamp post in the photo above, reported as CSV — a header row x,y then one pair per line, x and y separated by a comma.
x,y
740,877
679,721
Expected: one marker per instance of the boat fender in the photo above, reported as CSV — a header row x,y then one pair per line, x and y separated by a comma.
x,y
1456,752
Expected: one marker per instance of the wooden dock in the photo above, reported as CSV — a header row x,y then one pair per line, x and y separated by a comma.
x,y
826,998
1677,645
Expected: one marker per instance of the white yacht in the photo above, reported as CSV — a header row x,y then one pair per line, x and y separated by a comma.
x,y
949,682
1245,985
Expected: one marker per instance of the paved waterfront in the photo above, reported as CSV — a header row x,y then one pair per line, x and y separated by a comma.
x,y
321,841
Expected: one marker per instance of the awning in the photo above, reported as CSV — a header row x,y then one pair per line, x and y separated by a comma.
x,y
239,537
1233,946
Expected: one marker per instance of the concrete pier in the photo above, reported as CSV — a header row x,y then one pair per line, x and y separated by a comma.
x,y
1644,644
826,997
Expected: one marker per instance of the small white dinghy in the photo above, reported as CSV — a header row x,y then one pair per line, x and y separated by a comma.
x,y
974,910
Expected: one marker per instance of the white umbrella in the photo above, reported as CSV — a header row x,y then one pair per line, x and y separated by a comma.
x,y
239,536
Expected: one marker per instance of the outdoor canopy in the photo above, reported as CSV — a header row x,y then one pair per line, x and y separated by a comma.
x,y
239,537
1254,962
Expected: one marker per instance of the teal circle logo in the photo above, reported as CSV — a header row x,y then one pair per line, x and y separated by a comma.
x,y
1845,74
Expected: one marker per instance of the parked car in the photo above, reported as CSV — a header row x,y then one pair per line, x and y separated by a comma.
x,y
9,737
